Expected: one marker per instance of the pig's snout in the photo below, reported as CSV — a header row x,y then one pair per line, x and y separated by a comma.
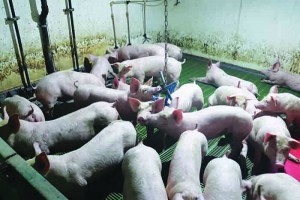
x,y
141,120
279,167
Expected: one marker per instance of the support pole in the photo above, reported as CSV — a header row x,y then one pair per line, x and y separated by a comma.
x,y
50,67
16,38
69,12
113,23
128,26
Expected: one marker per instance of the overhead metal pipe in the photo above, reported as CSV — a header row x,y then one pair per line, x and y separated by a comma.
x,y
50,67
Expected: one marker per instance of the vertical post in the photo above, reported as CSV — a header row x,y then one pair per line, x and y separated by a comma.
x,y
113,23
127,17
12,19
69,11
50,67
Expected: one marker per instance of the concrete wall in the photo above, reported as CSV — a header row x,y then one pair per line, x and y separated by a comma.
x,y
250,33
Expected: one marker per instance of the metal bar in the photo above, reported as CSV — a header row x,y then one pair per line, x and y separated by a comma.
x,y
23,67
113,23
50,67
128,26
74,48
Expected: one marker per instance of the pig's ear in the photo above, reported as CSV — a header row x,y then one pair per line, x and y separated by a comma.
x,y
276,66
93,58
294,144
231,99
122,79
218,64
274,89
42,163
134,104
104,76
158,106
269,137
273,99
209,63
177,115
134,85
149,82
14,123
115,83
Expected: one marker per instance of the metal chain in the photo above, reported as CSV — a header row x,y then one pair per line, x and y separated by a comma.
x,y
166,37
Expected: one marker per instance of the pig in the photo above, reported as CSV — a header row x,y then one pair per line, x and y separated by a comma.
x,y
217,77
212,122
233,96
120,84
87,94
150,66
276,76
23,107
183,180
286,103
101,67
173,50
134,51
72,172
223,180
271,137
141,168
187,96
62,85
62,134
273,186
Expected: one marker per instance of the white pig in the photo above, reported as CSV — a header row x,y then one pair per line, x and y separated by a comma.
x,y
173,50
223,180
101,67
276,76
62,85
150,66
134,51
217,77
282,103
271,137
73,171
187,96
59,135
120,84
183,179
276,186
23,107
212,122
141,169
87,94
233,96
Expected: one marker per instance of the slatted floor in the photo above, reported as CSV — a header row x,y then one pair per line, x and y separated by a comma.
x,y
196,67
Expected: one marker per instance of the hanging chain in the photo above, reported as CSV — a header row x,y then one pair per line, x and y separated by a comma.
x,y
166,37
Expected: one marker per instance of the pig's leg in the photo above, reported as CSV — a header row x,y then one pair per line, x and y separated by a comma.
x,y
289,120
257,161
200,79
274,82
293,158
236,148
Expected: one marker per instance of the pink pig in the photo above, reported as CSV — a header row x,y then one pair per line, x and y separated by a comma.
x,y
101,67
183,180
271,137
62,85
223,180
211,121
72,172
276,76
23,107
87,94
217,77
141,164
62,134
282,103
134,51
150,66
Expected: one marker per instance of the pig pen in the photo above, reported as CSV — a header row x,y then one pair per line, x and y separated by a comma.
x,y
16,175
